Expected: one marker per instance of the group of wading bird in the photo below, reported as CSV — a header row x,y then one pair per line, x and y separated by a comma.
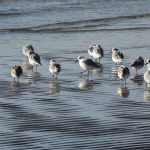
x,y
96,52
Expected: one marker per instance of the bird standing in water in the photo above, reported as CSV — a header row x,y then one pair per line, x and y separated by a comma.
x,y
96,52
34,59
117,56
16,72
87,64
147,73
26,49
138,63
54,68
123,73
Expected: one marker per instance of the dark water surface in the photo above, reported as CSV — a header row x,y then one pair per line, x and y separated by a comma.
x,y
73,112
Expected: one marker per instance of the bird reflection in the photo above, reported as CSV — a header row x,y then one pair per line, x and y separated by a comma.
x,y
114,72
86,84
123,91
138,79
33,77
97,71
54,86
15,87
147,94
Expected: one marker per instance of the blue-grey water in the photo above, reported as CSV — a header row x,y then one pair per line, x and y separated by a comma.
x,y
72,112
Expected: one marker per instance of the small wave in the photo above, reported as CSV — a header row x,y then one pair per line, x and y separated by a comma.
x,y
89,25
4,14
133,16
65,30
98,21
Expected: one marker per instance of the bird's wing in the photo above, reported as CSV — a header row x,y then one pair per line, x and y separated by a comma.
x,y
120,54
137,62
100,51
126,71
58,67
19,71
91,63
37,58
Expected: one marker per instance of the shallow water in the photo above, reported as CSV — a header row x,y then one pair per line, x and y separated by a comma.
x,y
73,112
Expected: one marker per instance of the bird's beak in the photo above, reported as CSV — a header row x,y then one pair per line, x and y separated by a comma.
x,y
146,63
76,60
110,52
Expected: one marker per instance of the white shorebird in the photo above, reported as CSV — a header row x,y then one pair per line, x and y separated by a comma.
x,y
96,52
117,56
87,64
123,73
54,68
90,51
138,63
147,73
34,59
16,72
148,64
26,49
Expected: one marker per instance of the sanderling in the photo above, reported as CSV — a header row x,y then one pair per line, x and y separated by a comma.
x,y
138,63
87,64
16,72
148,64
54,68
147,73
96,52
123,73
117,56
34,59
26,49
90,51
147,77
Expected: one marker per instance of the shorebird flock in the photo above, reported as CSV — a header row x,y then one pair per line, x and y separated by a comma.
x,y
96,53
